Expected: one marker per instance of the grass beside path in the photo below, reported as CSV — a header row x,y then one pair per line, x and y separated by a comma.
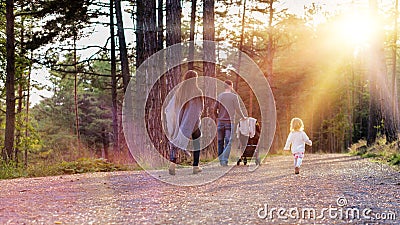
x,y
381,152
42,169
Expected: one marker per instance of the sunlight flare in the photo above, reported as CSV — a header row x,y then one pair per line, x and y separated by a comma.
x,y
356,29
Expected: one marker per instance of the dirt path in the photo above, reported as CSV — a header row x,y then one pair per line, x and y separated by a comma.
x,y
239,197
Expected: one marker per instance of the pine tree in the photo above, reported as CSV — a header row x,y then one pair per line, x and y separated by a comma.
x,y
9,136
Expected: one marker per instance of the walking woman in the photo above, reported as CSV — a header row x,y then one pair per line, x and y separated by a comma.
x,y
187,106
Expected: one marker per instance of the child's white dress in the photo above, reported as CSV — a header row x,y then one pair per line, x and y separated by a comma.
x,y
297,141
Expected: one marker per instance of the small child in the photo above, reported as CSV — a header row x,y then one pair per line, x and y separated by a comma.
x,y
296,141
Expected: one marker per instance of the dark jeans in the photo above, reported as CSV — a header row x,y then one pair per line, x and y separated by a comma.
x,y
196,147
224,130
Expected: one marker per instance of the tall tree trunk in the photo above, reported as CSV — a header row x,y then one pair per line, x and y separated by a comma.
x,y
380,98
270,45
250,111
146,45
209,69
150,29
139,35
140,82
28,95
106,143
191,37
19,121
173,19
173,36
140,78
388,99
375,117
10,83
162,82
394,56
160,25
20,76
76,109
394,67
113,85
241,44
122,45
154,103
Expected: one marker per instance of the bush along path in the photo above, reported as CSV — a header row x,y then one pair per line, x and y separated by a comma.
x,y
330,189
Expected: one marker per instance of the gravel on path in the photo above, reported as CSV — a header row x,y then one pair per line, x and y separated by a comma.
x,y
331,188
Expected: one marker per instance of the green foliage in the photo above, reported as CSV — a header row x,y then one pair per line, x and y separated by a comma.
x,y
59,19
56,117
44,168
370,155
2,51
361,113
84,165
380,151
394,159
9,170
358,148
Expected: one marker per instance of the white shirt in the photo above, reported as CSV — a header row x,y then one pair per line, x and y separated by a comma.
x,y
296,141
246,127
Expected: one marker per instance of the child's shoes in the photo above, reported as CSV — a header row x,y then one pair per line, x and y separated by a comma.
x,y
296,170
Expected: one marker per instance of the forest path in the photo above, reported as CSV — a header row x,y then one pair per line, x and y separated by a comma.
x,y
239,197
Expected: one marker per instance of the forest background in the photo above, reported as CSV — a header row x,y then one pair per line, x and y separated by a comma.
x,y
333,65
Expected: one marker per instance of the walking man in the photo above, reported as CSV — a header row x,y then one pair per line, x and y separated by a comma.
x,y
225,108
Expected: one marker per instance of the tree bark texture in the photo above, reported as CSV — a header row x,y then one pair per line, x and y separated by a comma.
x,y
209,70
122,45
113,85
10,83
